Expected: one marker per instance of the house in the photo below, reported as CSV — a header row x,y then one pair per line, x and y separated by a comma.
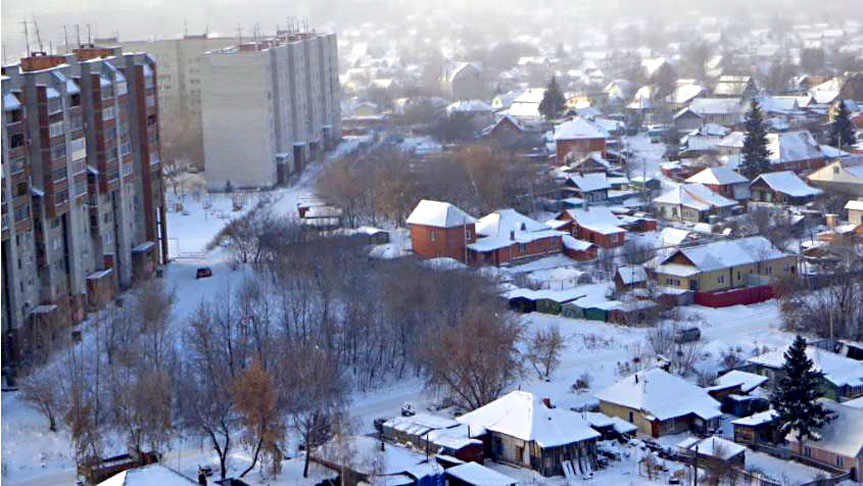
x,y
745,381
757,428
701,141
477,112
694,203
523,430
630,277
506,235
148,476
735,87
463,81
660,403
473,474
579,136
839,177
843,377
723,265
439,435
525,107
596,224
592,188
723,181
715,450
726,112
683,94
579,250
840,442
371,461
509,133
591,163
796,150
855,211
783,187
687,120
439,229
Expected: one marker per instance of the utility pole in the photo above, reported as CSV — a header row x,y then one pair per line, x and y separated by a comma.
x,y
38,37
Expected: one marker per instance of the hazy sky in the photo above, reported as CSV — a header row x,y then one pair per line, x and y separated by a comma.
x,y
136,19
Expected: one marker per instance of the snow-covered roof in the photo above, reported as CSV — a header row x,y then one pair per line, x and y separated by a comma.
x,y
579,128
837,369
662,395
479,475
599,219
593,157
504,227
718,176
630,274
152,475
10,102
725,254
439,214
369,458
855,204
420,423
575,244
522,415
787,182
696,196
759,418
843,435
468,106
747,381
685,93
856,403
713,446
673,236
590,182
715,106
792,146
732,140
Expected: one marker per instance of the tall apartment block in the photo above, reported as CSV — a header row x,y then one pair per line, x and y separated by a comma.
x,y
83,203
179,83
269,107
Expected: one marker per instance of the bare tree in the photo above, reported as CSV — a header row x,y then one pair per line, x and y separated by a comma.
x,y
544,349
42,389
255,396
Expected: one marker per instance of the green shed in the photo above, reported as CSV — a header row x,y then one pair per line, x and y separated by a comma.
x,y
572,311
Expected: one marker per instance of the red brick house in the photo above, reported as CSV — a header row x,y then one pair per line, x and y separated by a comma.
x,y
579,250
596,225
507,235
578,136
439,229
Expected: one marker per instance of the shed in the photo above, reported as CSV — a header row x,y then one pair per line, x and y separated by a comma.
x,y
473,474
571,311
756,428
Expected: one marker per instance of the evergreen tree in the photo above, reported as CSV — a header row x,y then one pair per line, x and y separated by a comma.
x,y
796,395
755,154
841,130
553,100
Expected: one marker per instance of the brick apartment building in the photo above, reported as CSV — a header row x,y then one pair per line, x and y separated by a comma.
x,y
269,107
83,204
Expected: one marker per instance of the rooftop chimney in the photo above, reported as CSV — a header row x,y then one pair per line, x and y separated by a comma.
x,y
39,61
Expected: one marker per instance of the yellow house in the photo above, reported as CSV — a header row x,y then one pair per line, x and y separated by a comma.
x,y
724,265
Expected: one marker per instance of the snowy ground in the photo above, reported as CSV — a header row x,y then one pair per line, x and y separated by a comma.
x,y
33,456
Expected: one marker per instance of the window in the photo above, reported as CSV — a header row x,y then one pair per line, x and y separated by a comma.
x,y
432,235
720,279
55,105
56,129
58,151
840,461
807,451
108,113
122,88
79,148
522,248
76,123
111,133
60,173
107,92
151,101
16,140
125,149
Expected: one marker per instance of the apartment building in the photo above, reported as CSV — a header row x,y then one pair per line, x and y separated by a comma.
x,y
269,107
83,205
179,90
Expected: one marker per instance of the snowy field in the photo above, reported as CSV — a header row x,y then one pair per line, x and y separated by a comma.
x,y
33,456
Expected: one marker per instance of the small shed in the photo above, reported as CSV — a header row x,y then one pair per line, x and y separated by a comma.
x,y
757,428
551,302
629,277
375,236
599,311
571,310
473,474
633,313
715,449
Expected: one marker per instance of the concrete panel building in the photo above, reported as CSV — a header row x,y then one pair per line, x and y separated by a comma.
x,y
269,108
83,208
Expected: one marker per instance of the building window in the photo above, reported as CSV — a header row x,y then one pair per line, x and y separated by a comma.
x,y
122,89
840,461
79,148
720,279
432,236
55,105
58,151
108,113
56,129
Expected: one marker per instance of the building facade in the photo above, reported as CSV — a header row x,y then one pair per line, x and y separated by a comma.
x,y
268,108
83,203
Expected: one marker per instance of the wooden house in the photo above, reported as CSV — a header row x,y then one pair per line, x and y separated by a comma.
x,y
840,442
783,187
439,229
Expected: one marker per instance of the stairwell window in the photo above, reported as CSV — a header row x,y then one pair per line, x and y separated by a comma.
x,y
108,113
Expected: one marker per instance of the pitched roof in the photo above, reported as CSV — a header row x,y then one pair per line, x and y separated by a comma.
x,y
713,446
661,395
504,227
787,182
599,219
837,369
726,253
696,196
522,415
793,146
579,128
152,475
632,274
479,475
843,435
718,176
747,381
439,214
715,106
590,182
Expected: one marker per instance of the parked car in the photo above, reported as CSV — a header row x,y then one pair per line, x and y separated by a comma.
x,y
203,272
687,335
408,410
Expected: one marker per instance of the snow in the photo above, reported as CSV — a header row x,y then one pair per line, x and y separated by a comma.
x,y
478,475
662,395
579,128
468,106
392,460
632,274
590,182
438,214
759,418
152,475
747,381
837,369
697,196
717,176
792,146
597,218
727,253
522,415
855,204
787,182
715,106
713,446
420,423
576,244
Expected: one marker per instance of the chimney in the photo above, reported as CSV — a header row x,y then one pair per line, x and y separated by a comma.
x,y
547,402
636,378
202,479
831,220
512,235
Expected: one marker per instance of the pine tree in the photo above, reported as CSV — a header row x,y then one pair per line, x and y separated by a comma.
x,y
796,395
552,101
755,154
841,130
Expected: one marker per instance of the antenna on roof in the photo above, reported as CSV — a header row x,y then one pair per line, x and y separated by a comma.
x,y
38,36
89,36
26,37
78,33
239,33
185,27
65,39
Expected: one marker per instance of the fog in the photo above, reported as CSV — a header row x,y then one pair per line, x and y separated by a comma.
x,y
496,19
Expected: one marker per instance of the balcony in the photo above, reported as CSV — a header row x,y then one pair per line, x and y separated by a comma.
x,y
5,222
